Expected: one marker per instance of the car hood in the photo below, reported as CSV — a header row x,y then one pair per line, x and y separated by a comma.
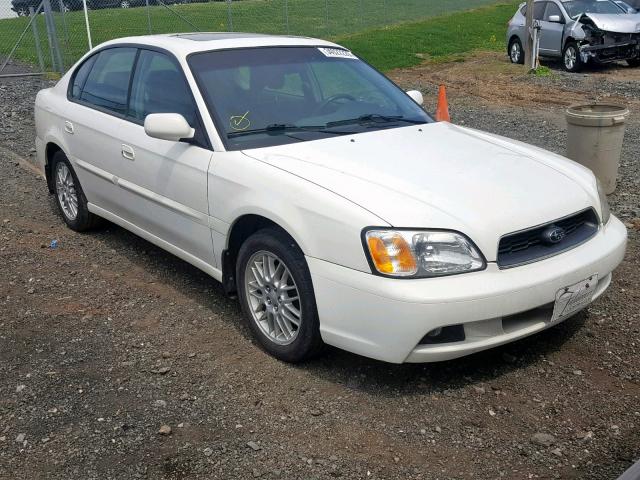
x,y
625,23
442,176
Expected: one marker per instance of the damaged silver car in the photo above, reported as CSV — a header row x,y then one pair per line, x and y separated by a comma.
x,y
579,32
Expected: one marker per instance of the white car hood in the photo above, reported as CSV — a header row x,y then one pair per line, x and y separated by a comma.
x,y
625,23
442,176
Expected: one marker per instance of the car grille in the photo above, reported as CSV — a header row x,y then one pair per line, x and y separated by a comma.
x,y
535,244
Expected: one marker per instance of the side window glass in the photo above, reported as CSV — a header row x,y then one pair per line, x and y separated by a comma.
x,y
538,10
159,86
107,85
552,9
80,77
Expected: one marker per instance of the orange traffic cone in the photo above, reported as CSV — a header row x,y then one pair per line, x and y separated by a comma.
x,y
442,110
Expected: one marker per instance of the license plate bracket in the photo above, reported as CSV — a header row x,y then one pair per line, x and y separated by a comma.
x,y
573,298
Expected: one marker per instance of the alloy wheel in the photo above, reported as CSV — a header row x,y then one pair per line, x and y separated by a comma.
x,y
570,58
273,297
515,52
66,190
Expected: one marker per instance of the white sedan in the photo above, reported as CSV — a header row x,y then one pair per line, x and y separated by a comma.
x,y
324,196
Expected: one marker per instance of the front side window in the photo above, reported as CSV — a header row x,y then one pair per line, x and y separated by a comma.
x,y
159,87
552,9
278,95
107,84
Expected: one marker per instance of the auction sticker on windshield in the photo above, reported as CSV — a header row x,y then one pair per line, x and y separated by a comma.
x,y
337,53
573,298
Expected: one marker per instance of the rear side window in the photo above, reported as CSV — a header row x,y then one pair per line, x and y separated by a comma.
x,y
159,86
80,77
107,85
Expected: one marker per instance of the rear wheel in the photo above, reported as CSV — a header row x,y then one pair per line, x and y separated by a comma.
x,y
69,195
516,53
276,295
571,58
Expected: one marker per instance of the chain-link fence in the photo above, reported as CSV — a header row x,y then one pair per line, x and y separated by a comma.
x,y
50,35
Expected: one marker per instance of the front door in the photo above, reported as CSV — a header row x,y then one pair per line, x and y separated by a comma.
x,y
551,33
165,182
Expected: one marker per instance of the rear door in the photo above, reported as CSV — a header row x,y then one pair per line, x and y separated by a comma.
x,y
164,183
551,33
93,121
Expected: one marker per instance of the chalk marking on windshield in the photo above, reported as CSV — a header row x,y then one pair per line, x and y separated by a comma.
x,y
240,122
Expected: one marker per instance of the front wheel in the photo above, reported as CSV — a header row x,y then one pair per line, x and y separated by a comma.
x,y
276,295
571,58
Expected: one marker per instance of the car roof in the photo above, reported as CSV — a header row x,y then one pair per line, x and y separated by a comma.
x,y
182,44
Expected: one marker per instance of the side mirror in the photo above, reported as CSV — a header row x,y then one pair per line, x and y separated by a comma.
x,y
168,126
555,19
416,96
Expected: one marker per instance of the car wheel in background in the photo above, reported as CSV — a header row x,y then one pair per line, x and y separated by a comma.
x,y
516,53
276,295
69,195
571,58
125,4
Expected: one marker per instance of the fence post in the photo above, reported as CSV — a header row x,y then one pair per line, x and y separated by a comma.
x,y
53,37
229,16
86,23
36,37
64,22
148,16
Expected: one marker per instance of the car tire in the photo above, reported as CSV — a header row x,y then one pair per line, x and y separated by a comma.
x,y
125,4
634,62
70,198
269,305
516,52
571,58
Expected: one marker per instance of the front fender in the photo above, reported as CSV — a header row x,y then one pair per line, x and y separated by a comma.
x,y
324,224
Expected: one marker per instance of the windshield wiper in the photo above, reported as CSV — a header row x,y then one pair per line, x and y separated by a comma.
x,y
375,118
281,128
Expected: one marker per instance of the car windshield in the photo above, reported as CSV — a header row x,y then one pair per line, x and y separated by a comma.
x,y
578,7
277,95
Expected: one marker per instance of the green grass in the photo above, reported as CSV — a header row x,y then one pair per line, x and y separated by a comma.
x,y
389,47
438,38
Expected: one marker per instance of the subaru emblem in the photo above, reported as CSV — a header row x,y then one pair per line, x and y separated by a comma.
x,y
553,235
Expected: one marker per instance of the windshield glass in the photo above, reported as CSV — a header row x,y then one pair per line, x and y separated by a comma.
x,y
578,7
276,95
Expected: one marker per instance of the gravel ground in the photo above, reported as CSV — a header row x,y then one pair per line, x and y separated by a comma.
x,y
118,360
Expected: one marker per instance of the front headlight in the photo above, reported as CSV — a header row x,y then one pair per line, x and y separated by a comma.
x,y
421,253
604,204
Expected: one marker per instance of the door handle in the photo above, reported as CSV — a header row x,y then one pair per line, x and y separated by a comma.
x,y
68,127
128,152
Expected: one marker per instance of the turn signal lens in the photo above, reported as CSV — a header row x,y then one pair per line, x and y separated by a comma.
x,y
422,253
391,254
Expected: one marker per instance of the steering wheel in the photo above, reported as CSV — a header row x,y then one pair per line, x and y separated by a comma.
x,y
335,98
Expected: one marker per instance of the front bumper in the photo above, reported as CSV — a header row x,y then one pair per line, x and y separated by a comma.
x,y
386,319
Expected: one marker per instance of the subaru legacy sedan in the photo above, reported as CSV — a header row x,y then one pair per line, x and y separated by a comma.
x,y
323,195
